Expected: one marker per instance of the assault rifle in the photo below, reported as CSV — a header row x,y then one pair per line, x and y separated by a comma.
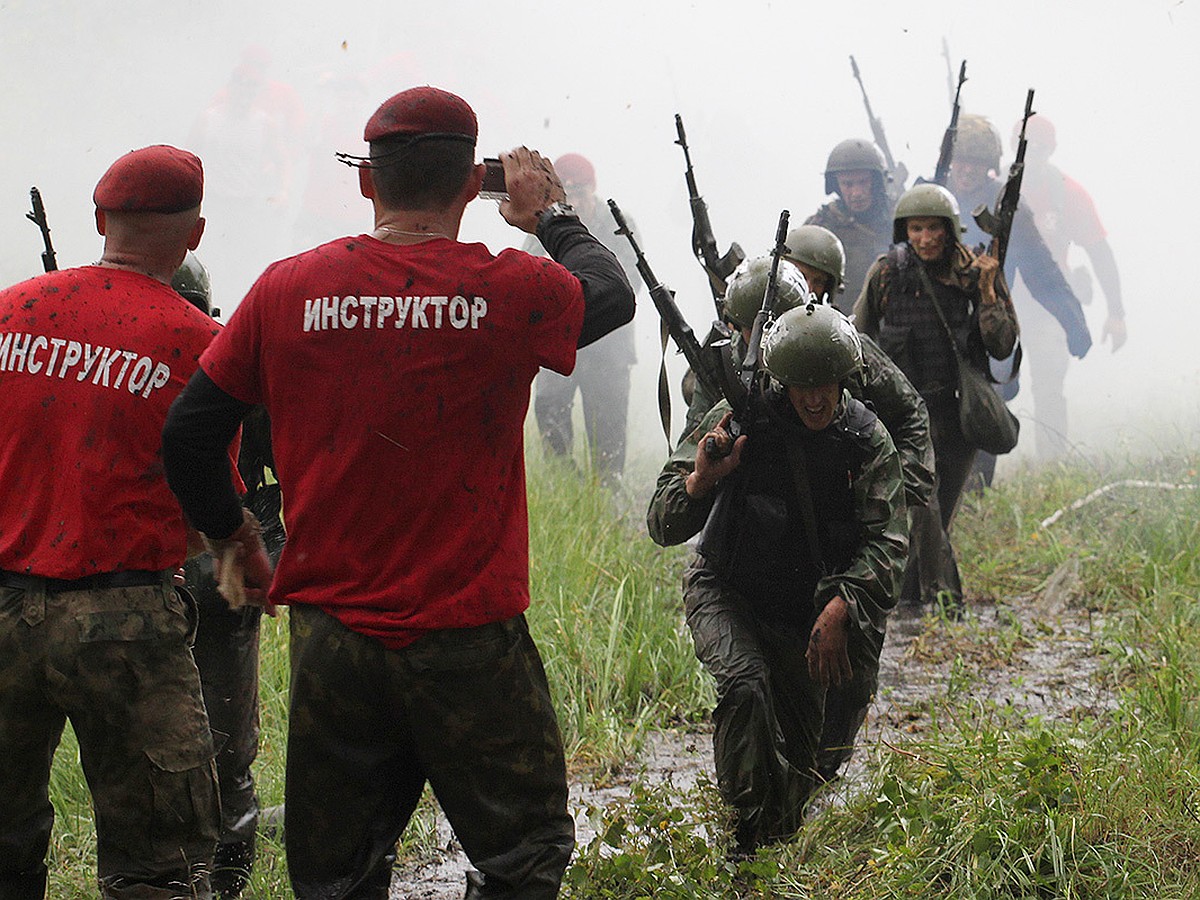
x,y
999,224
38,218
942,172
897,174
704,244
749,383
714,376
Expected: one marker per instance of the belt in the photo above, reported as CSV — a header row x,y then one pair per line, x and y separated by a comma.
x,y
99,582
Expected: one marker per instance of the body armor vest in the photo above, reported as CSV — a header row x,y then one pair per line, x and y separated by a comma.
x,y
910,331
757,539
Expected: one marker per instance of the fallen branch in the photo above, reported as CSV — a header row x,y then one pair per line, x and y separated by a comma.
x,y
1099,492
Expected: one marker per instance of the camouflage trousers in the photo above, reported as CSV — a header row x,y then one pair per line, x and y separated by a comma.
x,y
770,715
116,663
226,652
466,710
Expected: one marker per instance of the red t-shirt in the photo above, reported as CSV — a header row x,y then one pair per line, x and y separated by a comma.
x,y
1064,212
90,360
397,380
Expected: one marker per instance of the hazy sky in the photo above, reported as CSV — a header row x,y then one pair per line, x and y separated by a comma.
x,y
765,92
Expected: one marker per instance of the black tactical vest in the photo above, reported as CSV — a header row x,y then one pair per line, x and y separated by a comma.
x,y
756,538
910,331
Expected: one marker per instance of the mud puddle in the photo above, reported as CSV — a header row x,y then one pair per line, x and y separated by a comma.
x,y
1035,655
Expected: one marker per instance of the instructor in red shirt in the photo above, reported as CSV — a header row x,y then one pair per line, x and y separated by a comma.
x,y
396,368
91,627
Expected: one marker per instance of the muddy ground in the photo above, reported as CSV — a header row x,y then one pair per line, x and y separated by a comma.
x,y
1034,653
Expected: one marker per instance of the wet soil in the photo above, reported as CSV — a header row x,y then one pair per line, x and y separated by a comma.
x,y
1034,655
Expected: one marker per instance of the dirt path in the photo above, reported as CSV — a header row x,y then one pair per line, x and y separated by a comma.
x,y
1035,654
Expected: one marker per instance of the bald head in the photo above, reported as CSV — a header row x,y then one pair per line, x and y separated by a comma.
x,y
154,243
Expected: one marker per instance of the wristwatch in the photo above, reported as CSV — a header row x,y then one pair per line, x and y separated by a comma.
x,y
556,209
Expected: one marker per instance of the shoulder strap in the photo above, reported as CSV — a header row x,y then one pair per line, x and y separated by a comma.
x,y
959,353
798,463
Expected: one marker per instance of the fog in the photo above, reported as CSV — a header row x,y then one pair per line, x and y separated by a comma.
x,y
765,90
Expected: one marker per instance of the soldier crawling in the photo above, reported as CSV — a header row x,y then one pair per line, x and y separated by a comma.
x,y
802,542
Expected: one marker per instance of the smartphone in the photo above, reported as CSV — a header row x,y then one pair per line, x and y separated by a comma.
x,y
494,187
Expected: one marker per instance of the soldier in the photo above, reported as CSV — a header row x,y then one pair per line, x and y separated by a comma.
x,y
91,627
226,642
1065,216
927,265
403,351
601,374
817,254
861,216
802,540
974,182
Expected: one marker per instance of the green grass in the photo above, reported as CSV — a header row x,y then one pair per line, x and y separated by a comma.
x,y
986,803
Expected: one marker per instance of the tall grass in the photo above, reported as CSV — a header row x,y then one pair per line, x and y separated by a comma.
x,y
606,613
988,802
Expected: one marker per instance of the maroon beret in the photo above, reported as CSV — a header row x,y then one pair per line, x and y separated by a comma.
x,y
423,111
159,179
575,169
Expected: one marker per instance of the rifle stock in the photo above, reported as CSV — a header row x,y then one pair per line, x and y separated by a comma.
x,y
897,174
718,267
706,362
999,223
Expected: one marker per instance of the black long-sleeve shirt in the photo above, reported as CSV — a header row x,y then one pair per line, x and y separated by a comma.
x,y
204,418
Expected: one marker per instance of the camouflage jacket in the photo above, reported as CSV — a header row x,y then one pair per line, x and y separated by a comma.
x,y
869,579
900,408
863,240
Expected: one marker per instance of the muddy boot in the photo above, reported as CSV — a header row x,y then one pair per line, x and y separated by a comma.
x,y
376,885
479,887
231,868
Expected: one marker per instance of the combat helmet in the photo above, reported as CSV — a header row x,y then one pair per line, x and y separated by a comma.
x,y
926,199
748,286
191,282
978,141
812,345
820,248
852,155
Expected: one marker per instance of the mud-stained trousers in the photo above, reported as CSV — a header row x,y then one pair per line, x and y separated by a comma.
x,y
116,663
467,710
603,386
770,714
932,568
226,652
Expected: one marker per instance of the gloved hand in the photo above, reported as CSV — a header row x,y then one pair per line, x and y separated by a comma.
x,y
242,566
1079,341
